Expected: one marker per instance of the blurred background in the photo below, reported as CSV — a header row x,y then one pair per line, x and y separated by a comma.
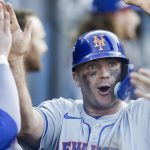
x,y
61,18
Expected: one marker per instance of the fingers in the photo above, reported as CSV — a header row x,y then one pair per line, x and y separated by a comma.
x,y
28,28
27,33
4,18
140,79
141,93
1,16
7,22
5,34
2,2
133,2
13,18
128,1
143,4
145,72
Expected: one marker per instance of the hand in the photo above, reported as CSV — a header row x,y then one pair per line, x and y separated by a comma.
x,y
141,80
20,39
5,34
144,4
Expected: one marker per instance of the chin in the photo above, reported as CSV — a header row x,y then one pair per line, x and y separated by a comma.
x,y
107,105
130,36
33,68
106,101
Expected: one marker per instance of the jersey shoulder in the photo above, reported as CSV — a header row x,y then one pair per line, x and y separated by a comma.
x,y
62,104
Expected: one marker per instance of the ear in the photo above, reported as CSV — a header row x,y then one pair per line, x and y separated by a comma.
x,y
76,78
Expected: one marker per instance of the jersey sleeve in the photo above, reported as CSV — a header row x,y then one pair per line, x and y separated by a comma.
x,y
9,107
139,112
52,112
8,130
9,99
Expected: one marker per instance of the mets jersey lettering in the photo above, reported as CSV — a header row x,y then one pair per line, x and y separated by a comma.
x,y
83,146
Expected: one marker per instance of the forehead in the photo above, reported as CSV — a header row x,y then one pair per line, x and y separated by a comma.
x,y
37,27
100,61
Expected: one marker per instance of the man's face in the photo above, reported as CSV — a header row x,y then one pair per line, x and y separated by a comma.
x,y
97,80
126,24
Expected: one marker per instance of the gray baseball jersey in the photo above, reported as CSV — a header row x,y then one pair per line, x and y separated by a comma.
x,y
68,127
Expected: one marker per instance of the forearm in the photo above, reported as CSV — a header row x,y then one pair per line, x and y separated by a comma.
x,y
24,96
30,121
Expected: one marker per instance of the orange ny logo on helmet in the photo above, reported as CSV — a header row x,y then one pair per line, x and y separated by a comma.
x,y
99,42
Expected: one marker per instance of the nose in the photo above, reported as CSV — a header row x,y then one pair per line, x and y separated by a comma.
x,y
43,47
103,72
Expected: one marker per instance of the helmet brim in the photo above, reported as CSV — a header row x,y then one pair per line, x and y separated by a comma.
x,y
94,56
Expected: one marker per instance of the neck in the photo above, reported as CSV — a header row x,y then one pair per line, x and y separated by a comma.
x,y
102,111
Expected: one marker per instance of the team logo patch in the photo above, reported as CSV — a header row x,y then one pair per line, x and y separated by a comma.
x,y
99,42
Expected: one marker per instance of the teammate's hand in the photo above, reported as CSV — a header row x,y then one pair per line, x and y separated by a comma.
x,y
141,80
5,34
144,4
20,39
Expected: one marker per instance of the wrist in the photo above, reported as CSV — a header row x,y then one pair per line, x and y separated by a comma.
x,y
14,58
4,60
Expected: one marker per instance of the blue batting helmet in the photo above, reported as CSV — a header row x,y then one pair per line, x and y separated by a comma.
x,y
104,44
97,44
110,6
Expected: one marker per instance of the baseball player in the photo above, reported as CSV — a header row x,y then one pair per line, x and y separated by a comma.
x,y
9,101
102,120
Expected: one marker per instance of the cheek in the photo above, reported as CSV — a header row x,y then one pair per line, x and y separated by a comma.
x,y
116,74
87,80
41,45
92,74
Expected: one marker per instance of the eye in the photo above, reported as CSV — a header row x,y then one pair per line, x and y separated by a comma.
x,y
114,64
92,67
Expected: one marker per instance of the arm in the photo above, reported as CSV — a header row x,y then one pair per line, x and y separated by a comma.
x,y
32,121
9,102
144,4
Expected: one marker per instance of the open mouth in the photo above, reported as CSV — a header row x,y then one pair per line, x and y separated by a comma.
x,y
103,90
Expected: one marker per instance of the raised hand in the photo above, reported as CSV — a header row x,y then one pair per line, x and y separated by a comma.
x,y
20,39
144,4
141,80
5,34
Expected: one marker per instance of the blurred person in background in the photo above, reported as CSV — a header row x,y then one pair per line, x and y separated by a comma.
x,y
117,17
38,46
